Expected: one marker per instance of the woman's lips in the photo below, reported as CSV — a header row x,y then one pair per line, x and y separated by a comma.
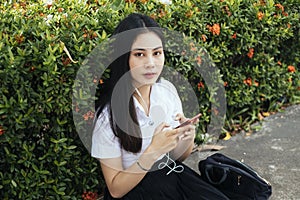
x,y
150,75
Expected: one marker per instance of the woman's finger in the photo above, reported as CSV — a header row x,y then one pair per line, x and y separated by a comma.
x,y
178,131
180,117
161,127
195,121
188,135
172,132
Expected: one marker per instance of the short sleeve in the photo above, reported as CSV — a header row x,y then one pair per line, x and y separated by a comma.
x,y
104,143
173,96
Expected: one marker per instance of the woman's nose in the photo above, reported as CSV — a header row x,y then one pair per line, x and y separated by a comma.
x,y
150,62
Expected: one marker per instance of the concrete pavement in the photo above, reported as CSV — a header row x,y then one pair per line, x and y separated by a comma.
x,y
273,151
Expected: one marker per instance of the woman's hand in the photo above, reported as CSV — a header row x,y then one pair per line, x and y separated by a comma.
x,y
191,129
164,141
189,134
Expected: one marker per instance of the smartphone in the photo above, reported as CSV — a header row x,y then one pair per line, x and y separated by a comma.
x,y
189,121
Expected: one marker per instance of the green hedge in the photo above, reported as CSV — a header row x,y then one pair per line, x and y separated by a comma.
x,y
255,44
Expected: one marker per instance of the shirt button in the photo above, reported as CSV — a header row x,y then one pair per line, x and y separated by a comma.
x,y
150,123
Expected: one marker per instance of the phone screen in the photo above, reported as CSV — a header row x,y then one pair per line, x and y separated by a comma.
x,y
189,121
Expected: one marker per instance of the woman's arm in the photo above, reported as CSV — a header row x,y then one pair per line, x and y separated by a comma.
x,y
183,149
186,142
119,181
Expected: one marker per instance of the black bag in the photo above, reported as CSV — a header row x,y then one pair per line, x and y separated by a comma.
x,y
234,178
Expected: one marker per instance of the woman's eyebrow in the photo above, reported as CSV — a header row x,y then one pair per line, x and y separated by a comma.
x,y
157,48
144,49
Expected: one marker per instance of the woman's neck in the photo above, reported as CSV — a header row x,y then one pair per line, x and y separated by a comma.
x,y
145,92
143,96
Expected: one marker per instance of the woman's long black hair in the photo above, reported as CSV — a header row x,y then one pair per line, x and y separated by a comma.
x,y
129,132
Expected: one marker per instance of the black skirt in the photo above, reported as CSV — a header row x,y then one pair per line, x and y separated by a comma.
x,y
168,184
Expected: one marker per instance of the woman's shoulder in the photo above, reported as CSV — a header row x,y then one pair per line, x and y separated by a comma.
x,y
103,117
167,85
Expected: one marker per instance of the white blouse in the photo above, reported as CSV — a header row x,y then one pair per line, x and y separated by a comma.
x,y
165,104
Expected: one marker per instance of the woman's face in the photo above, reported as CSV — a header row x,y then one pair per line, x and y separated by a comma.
x,y
146,59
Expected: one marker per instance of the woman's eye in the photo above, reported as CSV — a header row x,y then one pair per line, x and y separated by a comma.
x,y
139,54
157,53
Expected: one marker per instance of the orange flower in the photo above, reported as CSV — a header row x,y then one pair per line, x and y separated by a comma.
x,y
193,48
233,36
279,63
225,84
291,69
199,60
1,130
90,34
162,13
216,111
285,14
153,16
189,14
88,115
203,37
200,85
248,81
260,15
280,7
77,108
94,35
262,2
60,9
19,38
15,5
65,61
227,10
101,81
215,29
90,195
250,53
289,25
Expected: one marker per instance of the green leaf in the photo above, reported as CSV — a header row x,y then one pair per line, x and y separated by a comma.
x,y
13,183
61,122
44,172
104,35
11,56
70,147
35,167
58,141
57,191
59,164
117,5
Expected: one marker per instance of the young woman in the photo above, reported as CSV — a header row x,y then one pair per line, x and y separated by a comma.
x,y
134,137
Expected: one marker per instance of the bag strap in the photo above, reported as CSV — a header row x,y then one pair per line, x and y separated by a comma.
x,y
210,167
